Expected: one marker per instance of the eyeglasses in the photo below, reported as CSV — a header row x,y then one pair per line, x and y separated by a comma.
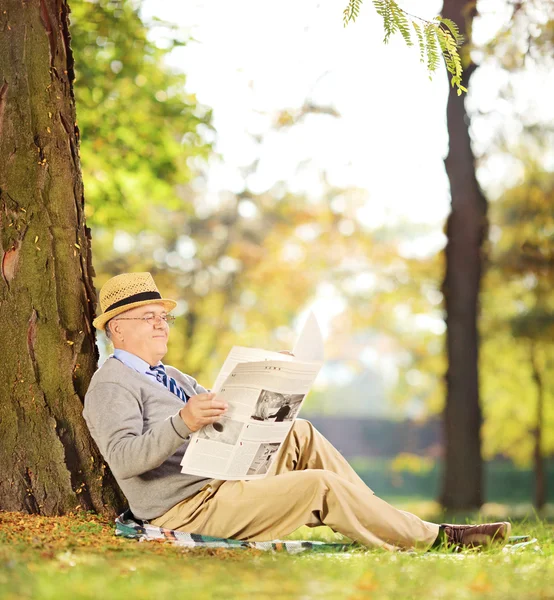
x,y
150,319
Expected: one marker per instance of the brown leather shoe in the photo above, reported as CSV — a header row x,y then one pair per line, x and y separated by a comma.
x,y
476,536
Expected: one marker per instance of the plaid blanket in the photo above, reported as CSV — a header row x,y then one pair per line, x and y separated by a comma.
x,y
126,526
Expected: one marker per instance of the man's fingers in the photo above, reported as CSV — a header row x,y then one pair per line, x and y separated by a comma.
x,y
204,406
218,404
207,401
213,412
215,404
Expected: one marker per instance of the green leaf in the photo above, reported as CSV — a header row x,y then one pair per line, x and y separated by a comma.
x,y
438,37
420,41
351,11
432,46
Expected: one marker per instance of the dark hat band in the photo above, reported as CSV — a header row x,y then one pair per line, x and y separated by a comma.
x,y
135,298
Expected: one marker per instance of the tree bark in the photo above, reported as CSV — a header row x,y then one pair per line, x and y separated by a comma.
x,y
538,459
466,231
48,462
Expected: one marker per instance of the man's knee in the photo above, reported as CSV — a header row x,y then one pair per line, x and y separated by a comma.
x,y
317,480
303,428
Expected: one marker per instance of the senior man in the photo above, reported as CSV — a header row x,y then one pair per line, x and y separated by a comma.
x,y
141,413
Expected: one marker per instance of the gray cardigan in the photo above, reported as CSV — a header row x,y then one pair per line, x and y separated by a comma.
x,y
136,424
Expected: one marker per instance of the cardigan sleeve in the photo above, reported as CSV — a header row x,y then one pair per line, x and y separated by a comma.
x,y
114,417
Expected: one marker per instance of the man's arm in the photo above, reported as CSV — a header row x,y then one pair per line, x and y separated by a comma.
x,y
115,421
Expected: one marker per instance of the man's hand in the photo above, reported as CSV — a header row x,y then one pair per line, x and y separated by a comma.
x,y
201,410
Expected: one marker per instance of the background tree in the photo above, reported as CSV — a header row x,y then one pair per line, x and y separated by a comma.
x,y
48,462
144,136
519,326
467,227
466,232
517,362
522,42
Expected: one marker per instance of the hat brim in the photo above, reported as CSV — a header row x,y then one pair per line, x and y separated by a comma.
x,y
100,322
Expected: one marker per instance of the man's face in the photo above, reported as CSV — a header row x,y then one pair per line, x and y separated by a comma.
x,y
132,331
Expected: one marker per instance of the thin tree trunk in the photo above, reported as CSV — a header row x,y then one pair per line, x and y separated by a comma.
x,y
538,459
48,462
466,230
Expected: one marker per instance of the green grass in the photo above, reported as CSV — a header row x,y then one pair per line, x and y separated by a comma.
x,y
78,557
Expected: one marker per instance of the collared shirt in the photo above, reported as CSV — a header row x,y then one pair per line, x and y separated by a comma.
x,y
136,363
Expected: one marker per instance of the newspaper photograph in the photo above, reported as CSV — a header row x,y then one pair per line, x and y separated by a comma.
x,y
264,392
276,407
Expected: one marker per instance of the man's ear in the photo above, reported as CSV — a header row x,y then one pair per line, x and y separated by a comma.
x,y
115,331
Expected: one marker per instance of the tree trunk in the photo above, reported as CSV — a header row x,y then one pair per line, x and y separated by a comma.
x,y
466,230
48,462
538,459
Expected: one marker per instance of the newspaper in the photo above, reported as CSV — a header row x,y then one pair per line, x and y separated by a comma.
x,y
264,391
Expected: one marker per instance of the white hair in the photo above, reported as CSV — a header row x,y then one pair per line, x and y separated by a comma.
x,y
107,330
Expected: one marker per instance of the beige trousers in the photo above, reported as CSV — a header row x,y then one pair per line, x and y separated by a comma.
x,y
310,483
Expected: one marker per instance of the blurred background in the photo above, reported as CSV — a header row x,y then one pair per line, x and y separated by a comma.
x,y
262,160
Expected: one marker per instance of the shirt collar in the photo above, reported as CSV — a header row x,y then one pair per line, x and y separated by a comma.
x,y
132,361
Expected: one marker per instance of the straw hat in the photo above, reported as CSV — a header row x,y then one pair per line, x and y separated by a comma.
x,y
126,291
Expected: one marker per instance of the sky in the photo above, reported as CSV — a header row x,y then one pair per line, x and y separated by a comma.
x,y
253,59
